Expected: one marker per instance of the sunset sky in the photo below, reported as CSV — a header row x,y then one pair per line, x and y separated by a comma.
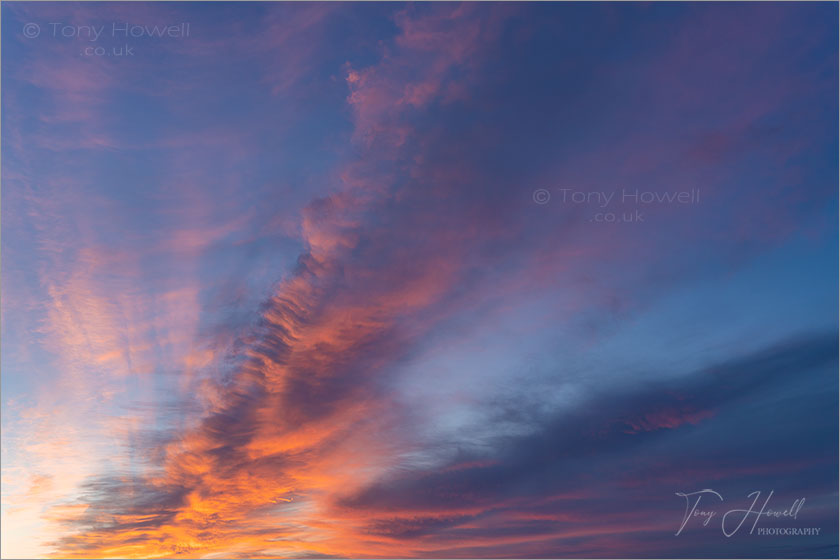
x,y
418,280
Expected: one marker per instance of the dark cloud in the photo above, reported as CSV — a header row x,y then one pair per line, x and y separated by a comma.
x,y
629,451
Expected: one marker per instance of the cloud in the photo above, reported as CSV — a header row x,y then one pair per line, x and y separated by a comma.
x,y
232,330
612,458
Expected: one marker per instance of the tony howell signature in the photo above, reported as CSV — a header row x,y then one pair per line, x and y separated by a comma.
x,y
732,520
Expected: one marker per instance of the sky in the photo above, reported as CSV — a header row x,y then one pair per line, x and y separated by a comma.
x,y
427,280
